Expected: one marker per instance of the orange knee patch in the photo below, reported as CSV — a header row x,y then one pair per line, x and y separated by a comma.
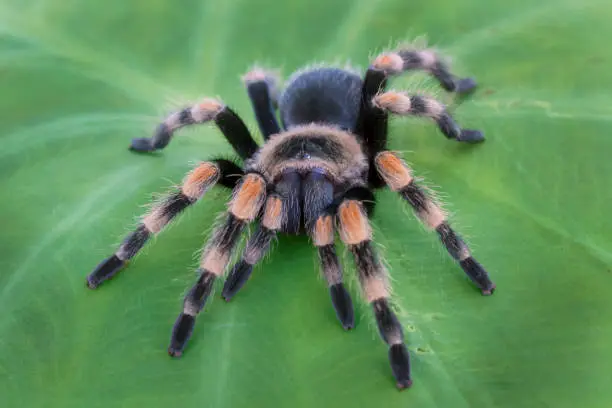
x,y
391,63
249,198
393,170
395,102
206,110
210,105
323,231
200,179
354,225
273,215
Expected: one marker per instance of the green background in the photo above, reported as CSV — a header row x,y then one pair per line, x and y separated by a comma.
x,y
79,79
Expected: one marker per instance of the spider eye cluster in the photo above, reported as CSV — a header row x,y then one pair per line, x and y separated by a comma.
x,y
307,147
303,156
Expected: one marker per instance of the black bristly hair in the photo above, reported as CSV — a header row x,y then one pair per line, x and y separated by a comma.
x,y
314,174
231,173
322,95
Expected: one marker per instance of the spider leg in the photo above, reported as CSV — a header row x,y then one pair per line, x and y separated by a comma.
x,y
261,87
323,238
372,124
356,233
398,177
400,103
249,197
195,184
402,60
288,190
319,212
230,124
257,246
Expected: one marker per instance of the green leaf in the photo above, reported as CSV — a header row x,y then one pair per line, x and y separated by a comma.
x,y
80,79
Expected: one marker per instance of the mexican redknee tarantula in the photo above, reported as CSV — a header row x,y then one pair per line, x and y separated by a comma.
x,y
313,175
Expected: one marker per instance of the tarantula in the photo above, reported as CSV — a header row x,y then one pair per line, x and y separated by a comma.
x,y
314,174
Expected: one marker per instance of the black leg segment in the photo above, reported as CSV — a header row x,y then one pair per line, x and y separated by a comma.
x,y
261,87
256,248
231,173
403,104
341,299
236,132
230,124
192,305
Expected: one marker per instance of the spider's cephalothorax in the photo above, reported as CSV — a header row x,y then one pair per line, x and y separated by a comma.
x,y
315,175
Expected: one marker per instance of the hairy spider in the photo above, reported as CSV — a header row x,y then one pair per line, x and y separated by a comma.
x,y
313,175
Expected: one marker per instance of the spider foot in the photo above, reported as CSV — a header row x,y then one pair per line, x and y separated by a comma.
x,y
142,144
471,136
478,275
400,364
489,291
104,271
183,328
465,86
343,305
236,279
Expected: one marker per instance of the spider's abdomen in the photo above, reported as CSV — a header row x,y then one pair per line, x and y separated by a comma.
x,y
322,95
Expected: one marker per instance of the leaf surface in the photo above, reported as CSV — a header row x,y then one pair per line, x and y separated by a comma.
x,y
80,79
